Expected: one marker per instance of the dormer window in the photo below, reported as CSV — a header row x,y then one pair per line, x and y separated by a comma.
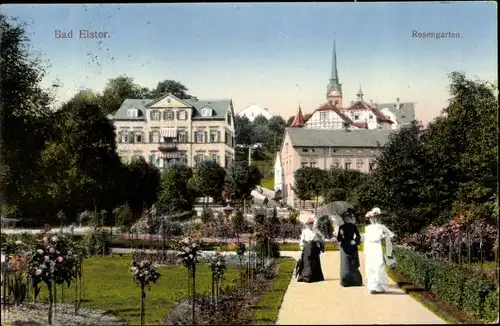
x,y
206,112
229,118
132,113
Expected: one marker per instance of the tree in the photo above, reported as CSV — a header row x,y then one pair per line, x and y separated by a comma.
x,y
276,126
290,121
25,121
172,87
143,185
399,181
80,165
243,130
347,180
309,182
117,90
208,179
242,179
176,193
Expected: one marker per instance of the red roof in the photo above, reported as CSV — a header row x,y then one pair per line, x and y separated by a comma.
x,y
299,119
330,107
361,105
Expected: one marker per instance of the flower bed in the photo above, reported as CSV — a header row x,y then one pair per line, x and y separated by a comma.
x,y
451,283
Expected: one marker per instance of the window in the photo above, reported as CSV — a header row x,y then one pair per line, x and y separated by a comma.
x,y
132,113
359,166
154,137
138,137
168,115
335,165
182,115
356,117
303,164
214,136
206,112
155,115
182,136
198,158
313,150
200,137
124,138
312,164
370,117
304,150
229,118
214,157
347,165
371,166
323,116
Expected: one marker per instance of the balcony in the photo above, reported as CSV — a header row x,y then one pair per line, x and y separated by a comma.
x,y
167,147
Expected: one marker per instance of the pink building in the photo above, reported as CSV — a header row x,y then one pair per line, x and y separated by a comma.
x,y
337,136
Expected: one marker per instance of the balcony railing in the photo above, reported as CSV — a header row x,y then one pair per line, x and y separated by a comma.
x,y
168,147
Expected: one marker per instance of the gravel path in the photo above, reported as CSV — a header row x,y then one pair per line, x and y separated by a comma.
x,y
328,303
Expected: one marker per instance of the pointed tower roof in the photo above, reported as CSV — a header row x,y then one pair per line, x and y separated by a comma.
x,y
360,94
298,122
334,76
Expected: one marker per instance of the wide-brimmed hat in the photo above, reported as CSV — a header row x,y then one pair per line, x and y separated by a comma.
x,y
374,212
310,220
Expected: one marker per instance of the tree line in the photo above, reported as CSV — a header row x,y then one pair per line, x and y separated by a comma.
x,y
57,164
428,176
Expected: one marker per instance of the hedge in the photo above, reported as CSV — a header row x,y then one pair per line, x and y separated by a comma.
x,y
471,293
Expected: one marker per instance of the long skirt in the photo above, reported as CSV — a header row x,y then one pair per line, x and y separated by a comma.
x,y
376,274
349,266
309,265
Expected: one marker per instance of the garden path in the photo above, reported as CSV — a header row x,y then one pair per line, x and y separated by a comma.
x,y
328,303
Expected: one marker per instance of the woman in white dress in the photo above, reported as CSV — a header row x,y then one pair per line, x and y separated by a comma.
x,y
375,264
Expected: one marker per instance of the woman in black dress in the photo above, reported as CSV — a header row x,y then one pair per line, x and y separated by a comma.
x,y
349,239
309,265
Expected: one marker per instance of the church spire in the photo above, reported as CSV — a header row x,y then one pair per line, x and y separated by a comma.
x,y
360,94
334,88
334,77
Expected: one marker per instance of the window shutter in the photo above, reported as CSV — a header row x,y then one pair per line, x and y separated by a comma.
x,y
131,137
206,136
178,115
164,115
218,136
195,137
150,136
187,137
151,115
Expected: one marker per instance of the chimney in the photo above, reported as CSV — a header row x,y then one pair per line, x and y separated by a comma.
x,y
371,102
397,103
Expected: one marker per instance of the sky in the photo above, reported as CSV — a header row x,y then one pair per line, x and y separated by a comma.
x,y
277,55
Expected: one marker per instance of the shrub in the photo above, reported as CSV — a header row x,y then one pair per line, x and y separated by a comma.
x,y
96,242
491,306
325,226
465,290
475,292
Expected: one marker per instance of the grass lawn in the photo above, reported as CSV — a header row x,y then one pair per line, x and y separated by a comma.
x,y
268,183
269,305
108,285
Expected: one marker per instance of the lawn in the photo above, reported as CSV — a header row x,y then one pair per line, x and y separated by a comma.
x,y
269,305
108,285
268,183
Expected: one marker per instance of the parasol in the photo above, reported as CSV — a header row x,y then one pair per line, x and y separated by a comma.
x,y
334,209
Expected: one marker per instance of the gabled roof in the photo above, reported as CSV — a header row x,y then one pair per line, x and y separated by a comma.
x,y
299,119
220,108
363,138
328,106
121,113
362,105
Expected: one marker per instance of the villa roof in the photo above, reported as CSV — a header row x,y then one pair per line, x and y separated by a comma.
x,y
307,137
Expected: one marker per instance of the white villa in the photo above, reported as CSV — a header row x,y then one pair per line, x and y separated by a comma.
x,y
253,111
170,130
